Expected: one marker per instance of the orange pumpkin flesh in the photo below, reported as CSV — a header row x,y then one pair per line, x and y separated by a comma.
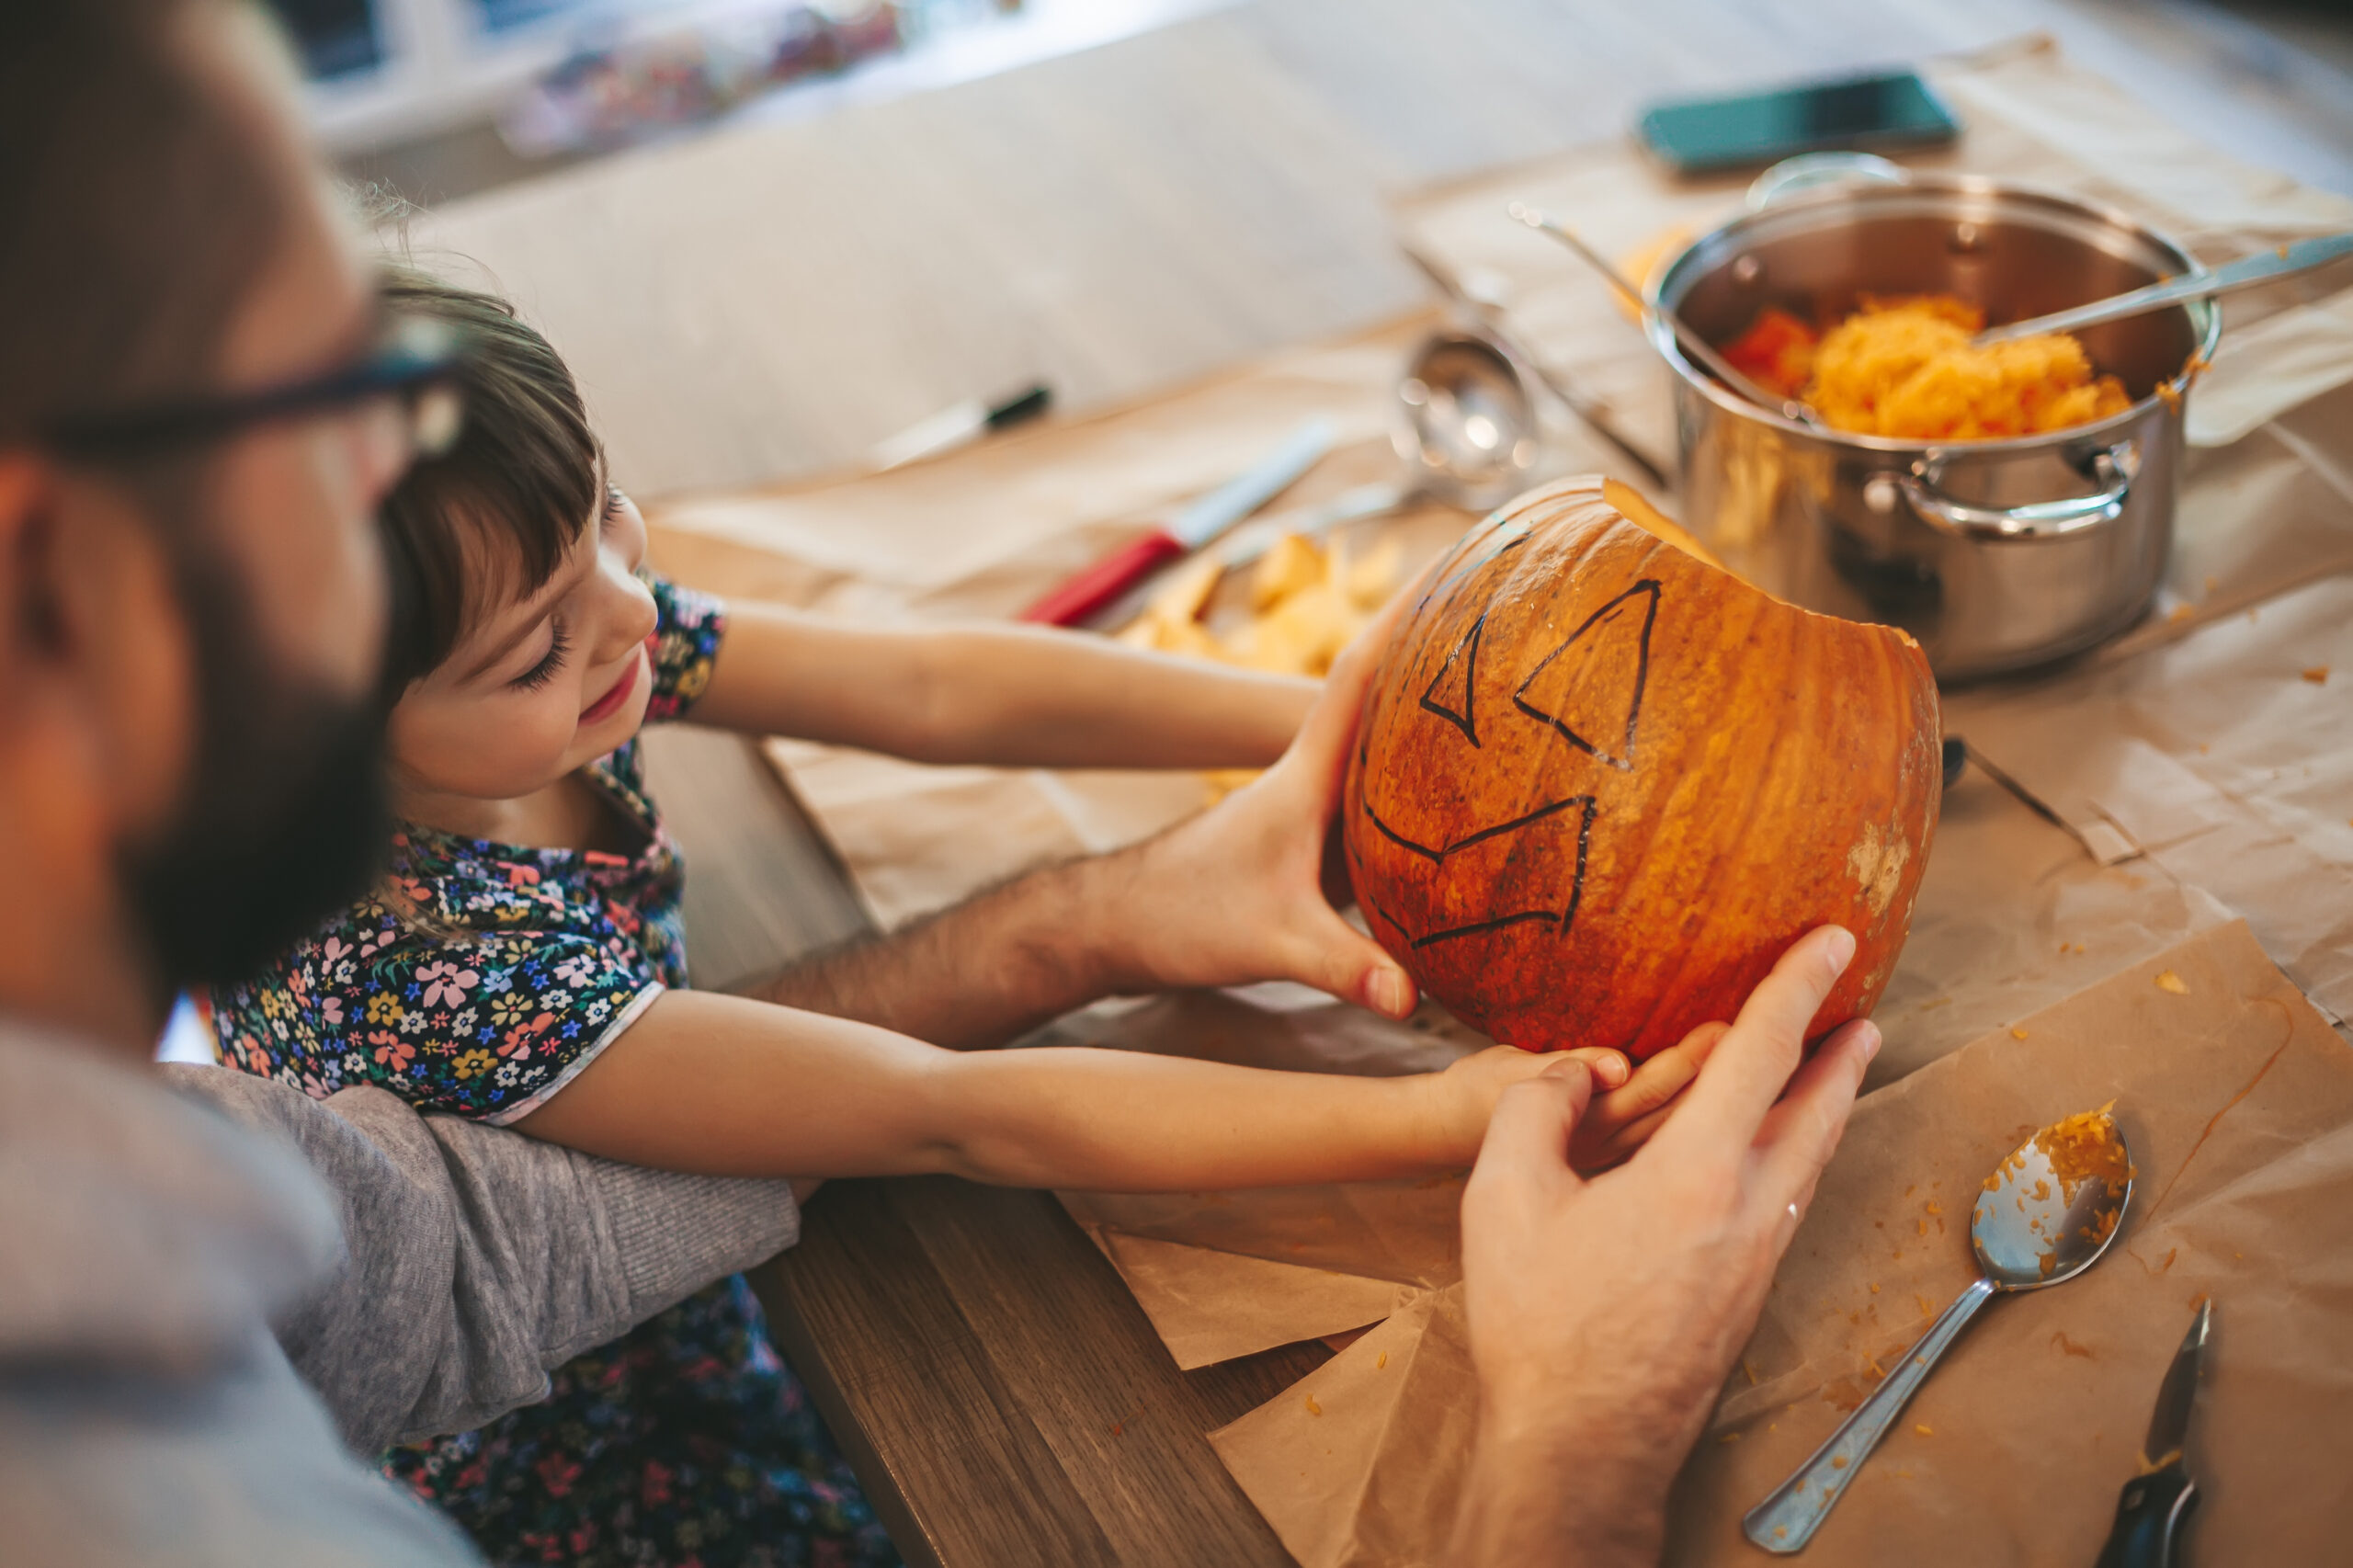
x,y
1601,785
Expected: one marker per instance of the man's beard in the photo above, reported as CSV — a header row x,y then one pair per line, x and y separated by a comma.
x,y
283,820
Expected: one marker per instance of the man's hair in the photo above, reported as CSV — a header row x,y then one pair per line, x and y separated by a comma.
x,y
488,521
139,201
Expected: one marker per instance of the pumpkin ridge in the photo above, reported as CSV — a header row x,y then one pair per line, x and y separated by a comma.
x,y
1712,913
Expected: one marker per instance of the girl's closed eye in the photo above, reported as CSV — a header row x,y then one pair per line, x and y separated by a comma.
x,y
538,674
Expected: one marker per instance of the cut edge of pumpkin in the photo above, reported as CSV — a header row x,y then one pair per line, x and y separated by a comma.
x,y
1637,508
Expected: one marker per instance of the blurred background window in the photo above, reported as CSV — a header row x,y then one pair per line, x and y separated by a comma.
x,y
431,99
497,13
335,37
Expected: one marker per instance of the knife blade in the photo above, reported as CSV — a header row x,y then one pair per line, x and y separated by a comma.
x,y
2285,260
1197,523
2150,1513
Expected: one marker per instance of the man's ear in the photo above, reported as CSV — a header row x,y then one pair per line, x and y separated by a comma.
x,y
45,744
96,729
30,618
95,664
57,824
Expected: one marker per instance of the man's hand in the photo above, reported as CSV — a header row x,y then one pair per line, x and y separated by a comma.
x,y
1238,893
1604,1314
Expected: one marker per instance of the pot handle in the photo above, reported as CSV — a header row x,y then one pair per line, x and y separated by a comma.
x,y
2038,519
1809,170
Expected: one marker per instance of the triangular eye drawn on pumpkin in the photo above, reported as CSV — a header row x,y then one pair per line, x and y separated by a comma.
x,y
1599,692
1450,692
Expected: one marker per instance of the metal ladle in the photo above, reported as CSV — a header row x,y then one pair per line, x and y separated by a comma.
x,y
2036,1223
1468,438
1486,303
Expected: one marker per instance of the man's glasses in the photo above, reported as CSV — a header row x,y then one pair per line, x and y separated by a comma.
x,y
412,369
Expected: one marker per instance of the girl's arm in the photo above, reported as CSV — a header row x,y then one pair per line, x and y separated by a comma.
x,y
724,1085
1015,697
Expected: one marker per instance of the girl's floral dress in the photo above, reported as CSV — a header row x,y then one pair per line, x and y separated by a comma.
x,y
490,977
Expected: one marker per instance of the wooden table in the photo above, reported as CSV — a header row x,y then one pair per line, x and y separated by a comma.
x,y
995,1384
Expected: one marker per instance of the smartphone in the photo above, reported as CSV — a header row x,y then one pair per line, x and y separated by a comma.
x,y
1890,109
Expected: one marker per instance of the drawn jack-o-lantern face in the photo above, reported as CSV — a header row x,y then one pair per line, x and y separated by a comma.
x,y
1601,785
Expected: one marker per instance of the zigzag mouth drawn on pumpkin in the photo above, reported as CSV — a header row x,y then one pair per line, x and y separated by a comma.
x,y
1562,918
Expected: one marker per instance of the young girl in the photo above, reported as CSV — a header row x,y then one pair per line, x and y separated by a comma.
x,y
524,962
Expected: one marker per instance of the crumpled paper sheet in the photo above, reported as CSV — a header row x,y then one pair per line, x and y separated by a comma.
x,y
2224,757
983,531
2237,1101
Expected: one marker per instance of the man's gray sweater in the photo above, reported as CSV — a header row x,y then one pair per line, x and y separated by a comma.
x,y
216,1294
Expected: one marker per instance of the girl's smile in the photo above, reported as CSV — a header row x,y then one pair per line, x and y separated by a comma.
x,y
611,703
540,689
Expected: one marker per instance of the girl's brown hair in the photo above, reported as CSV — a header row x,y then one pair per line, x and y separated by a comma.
x,y
492,519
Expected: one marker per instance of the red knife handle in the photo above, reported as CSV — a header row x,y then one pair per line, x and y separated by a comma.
x,y
1090,590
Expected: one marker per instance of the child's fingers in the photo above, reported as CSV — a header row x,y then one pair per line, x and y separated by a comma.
x,y
1609,1068
1527,1139
1603,1068
1618,1147
1656,1082
1701,1043
1622,1122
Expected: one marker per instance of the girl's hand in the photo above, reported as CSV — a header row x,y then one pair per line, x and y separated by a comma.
x,y
1622,1120
1466,1093
1630,1104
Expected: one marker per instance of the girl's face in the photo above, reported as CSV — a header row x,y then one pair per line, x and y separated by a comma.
x,y
540,687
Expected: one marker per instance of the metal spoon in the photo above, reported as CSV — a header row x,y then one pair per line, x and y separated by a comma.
x,y
1486,305
1686,338
2285,262
2039,1221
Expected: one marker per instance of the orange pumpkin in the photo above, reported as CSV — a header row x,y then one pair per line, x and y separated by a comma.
x,y
1601,784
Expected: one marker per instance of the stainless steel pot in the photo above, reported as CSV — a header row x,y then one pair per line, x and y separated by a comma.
x,y
1996,555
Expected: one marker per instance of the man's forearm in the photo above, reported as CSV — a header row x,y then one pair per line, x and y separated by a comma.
x,y
990,969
